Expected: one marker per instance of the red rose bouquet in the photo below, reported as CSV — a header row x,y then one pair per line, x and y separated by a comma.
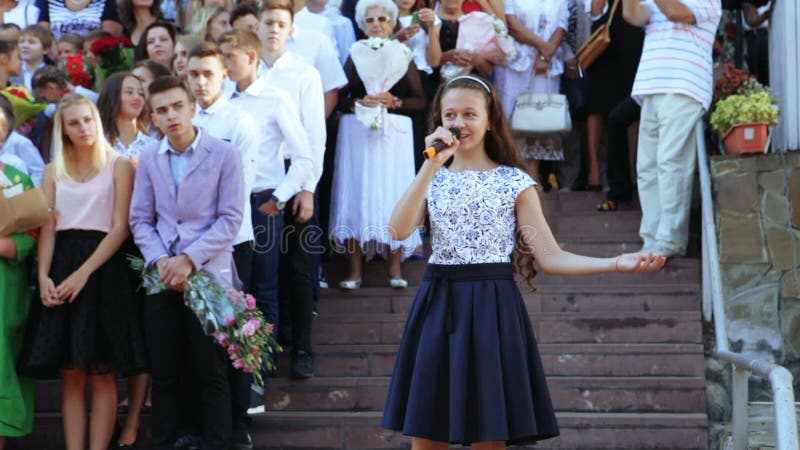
x,y
114,54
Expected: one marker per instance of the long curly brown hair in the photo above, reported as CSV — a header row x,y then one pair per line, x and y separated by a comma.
x,y
499,146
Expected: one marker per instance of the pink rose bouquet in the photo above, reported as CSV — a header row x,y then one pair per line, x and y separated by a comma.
x,y
231,317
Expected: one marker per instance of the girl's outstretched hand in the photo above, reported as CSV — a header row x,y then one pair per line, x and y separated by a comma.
x,y
640,262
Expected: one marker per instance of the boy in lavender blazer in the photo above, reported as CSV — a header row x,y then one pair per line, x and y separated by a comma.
x,y
185,212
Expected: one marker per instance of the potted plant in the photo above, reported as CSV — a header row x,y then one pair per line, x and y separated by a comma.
x,y
743,121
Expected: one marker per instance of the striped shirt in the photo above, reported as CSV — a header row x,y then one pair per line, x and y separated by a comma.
x,y
676,58
64,20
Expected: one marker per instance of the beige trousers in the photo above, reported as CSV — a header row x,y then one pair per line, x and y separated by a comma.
x,y
665,165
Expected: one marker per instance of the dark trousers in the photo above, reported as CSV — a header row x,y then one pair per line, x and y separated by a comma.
x,y
618,166
266,257
180,351
299,269
758,54
239,380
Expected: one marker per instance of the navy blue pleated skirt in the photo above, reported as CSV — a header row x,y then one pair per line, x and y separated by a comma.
x,y
468,368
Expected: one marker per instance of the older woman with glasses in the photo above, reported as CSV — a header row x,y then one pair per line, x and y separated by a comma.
x,y
374,164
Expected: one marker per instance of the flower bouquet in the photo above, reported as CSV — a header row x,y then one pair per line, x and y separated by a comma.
x,y
229,316
78,69
25,107
380,64
485,34
114,54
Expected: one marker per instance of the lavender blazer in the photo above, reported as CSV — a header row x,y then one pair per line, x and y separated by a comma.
x,y
203,214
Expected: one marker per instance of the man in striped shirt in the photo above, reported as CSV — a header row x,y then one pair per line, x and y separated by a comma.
x,y
674,85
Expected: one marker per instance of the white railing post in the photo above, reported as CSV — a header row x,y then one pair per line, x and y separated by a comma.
x,y
785,416
739,397
786,437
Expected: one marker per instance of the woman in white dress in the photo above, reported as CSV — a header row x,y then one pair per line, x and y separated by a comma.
x,y
539,27
374,165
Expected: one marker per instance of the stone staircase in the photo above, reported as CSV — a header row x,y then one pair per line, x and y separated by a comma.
x,y
623,353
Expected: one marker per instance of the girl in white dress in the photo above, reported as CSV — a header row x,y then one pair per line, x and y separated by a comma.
x,y
539,27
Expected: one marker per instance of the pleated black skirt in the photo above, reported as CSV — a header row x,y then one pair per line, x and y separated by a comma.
x,y
100,331
468,368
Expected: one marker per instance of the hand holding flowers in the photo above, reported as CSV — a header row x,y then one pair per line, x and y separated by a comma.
x,y
230,316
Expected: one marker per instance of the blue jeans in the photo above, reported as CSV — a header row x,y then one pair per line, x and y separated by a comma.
x,y
266,255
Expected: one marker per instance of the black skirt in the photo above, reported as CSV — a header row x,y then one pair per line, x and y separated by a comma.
x,y
468,368
100,331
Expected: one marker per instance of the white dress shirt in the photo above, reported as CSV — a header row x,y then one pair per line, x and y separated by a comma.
x,y
224,121
22,147
308,20
303,84
343,29
313,48
280,124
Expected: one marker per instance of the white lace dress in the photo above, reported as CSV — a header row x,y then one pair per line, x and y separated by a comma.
x,y
473,214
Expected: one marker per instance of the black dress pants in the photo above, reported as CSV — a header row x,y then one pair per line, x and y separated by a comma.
x,y
618,166
239,380
296,291
181,354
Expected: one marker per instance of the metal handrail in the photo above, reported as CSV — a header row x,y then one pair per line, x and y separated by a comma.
x,y
714,309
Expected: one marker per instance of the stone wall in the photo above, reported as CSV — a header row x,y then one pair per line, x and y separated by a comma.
x,y
757,204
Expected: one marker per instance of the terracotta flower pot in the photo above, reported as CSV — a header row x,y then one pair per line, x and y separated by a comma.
x,y
752,137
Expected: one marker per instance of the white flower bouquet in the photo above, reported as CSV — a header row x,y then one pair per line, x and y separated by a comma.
x,y
380,64
485,34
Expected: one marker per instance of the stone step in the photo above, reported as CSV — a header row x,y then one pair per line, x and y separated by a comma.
x,y
361,430
598,394
551,298
583,360
579,431
612,394
601,327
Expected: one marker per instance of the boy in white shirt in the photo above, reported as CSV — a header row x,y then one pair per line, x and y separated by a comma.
x,y
283,136
217,116
343,33
34,43
299,264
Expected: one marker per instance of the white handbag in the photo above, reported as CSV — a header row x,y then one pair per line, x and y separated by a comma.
x,y
541,113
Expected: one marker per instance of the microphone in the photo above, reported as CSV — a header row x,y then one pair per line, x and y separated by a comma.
x,y
438,145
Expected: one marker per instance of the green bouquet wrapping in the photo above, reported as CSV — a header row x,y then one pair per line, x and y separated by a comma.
x,y
24,103
230,317
114,54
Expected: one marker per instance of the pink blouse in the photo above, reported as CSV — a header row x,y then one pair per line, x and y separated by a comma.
x,y
88,205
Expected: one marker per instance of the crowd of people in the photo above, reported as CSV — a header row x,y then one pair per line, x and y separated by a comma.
x,y
231,138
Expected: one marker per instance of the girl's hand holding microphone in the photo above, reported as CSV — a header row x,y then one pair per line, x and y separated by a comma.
x,y
441,145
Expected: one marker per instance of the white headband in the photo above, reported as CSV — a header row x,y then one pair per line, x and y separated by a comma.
x,y
471,78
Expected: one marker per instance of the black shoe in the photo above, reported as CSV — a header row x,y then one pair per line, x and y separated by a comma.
x,y
302,365
189,442
241,440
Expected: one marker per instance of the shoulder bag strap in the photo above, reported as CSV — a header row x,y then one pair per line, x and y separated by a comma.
x,y
611,19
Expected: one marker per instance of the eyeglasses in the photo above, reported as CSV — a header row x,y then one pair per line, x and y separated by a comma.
x,y
380,19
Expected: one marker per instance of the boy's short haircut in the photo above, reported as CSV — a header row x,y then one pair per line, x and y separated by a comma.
x,y
6,47
207,50
243,9
74,39
8,26
245,40
44,36
162,84
270,5
50,74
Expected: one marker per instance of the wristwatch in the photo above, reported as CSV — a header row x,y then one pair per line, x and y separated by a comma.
x,y
279,204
